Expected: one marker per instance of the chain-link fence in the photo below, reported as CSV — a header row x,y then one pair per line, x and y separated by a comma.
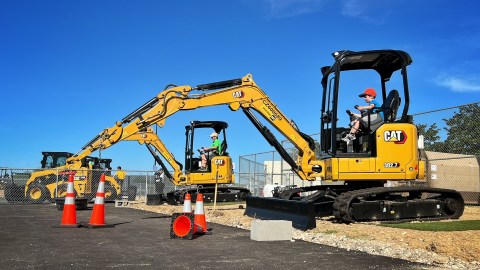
x,y
452,154
452,149
34,186
26,186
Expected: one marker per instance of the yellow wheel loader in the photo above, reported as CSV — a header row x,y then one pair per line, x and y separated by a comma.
x,y
50,182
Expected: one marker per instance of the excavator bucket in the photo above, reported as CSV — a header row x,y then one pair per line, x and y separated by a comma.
x,y
301,213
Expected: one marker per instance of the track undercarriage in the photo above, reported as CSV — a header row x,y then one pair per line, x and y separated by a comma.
x,y
386,204
224,194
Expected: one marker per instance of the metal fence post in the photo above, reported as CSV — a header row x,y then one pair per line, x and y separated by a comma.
x,y
146,187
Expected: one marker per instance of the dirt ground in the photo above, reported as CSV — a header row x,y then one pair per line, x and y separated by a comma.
x,y
463,245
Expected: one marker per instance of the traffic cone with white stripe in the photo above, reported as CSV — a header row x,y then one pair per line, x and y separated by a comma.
x,y
200,220
69,215
187,204
97,220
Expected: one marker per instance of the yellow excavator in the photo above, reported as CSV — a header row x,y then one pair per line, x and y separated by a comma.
x,y
51,182
353,175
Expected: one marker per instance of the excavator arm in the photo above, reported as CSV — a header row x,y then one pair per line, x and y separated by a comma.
x,y
238,94
148,137
152,141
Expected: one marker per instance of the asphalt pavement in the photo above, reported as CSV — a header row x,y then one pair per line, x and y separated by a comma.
x,y
30,239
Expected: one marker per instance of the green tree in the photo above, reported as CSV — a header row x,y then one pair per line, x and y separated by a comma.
x,y
462,131
430,135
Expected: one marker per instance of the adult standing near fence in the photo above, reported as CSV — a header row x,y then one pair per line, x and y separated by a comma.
x,y
120,176
159,181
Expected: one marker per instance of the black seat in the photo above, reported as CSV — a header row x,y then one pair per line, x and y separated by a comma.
x,y
390,106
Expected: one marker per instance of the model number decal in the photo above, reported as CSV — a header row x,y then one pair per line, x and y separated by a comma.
x,y
270,108
392,164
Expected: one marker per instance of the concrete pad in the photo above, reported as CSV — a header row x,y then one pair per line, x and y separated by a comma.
x,y
271,230
122,203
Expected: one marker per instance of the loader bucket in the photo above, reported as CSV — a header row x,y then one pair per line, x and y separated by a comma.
x,y
301,213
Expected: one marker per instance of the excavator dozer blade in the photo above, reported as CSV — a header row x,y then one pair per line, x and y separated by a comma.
x,y
301,213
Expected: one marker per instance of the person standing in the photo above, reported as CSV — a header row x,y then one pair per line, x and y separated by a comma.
x,y
120,176
159,183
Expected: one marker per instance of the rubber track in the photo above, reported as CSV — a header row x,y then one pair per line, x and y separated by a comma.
x,y
342,203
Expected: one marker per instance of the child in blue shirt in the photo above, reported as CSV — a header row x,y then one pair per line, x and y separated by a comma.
x,y
369,95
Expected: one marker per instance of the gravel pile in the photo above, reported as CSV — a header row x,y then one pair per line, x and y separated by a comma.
x,y
384,249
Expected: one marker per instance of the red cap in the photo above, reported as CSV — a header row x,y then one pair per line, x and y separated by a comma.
x,y
370,92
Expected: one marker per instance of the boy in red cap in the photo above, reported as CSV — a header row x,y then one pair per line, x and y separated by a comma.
x,y
369,96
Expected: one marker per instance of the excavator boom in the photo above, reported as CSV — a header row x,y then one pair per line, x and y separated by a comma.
x,y
237,94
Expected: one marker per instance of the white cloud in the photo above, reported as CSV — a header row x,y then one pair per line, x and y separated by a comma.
x,y
373,11
352,8
459,84
289,8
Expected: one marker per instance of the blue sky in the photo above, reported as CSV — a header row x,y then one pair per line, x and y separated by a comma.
x,y
70,69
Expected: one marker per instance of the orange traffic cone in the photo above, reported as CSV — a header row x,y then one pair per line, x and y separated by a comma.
x,y
97,220
69,215
182,226
187,204
182,223
200,219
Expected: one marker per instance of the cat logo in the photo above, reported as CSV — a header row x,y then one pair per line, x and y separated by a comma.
x,y
238,94
219,162
396,136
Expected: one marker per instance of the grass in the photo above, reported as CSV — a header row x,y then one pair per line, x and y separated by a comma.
x,y
451,226
222,203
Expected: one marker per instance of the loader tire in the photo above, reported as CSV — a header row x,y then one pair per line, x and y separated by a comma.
x,y
37,193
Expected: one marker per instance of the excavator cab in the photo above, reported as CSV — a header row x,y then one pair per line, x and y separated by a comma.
x,y
384,70
218,175
193,158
